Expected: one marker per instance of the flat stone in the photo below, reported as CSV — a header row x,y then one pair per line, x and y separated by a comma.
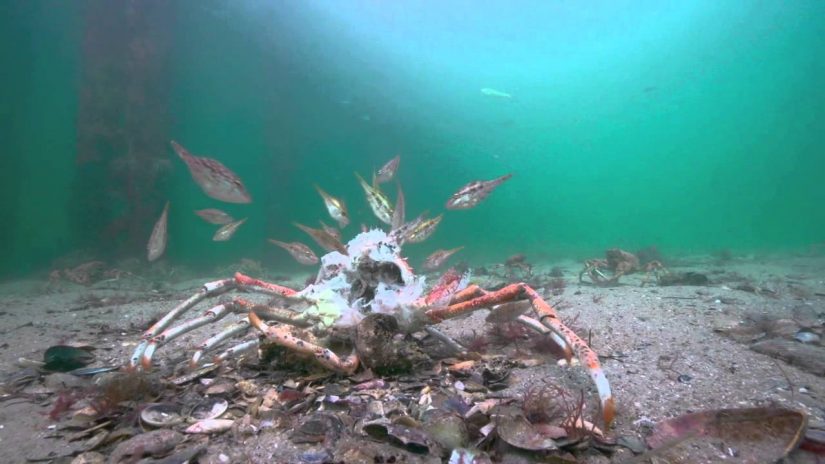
x,y
807,357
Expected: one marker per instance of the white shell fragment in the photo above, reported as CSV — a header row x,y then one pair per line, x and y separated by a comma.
x,y
210,426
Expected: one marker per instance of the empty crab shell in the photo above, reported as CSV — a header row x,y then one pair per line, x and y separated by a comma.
x,y
210,408
161,415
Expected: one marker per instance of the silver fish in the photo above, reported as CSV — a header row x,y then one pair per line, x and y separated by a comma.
x,y
226,232
302,253
322,238
379,203
214,216
215,179
157,241
387,172
435,260
336,208
398,212
472,193
422,229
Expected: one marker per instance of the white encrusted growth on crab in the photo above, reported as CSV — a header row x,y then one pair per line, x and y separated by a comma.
x,y
399,300
331,289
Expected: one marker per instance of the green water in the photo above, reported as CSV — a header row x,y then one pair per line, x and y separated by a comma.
x,y
692,126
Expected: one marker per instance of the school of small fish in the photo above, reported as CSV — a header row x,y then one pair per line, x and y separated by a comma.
x,y
220,183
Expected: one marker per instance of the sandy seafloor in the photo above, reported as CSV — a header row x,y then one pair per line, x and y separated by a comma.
x,y
635,325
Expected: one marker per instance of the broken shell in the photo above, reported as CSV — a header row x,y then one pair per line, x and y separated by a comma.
x,y
317,428
518,432
210,408
806,336
210,426
411,439
446,428
161,415
760,434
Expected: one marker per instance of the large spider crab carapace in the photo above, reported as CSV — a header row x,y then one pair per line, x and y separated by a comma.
x,y
371,278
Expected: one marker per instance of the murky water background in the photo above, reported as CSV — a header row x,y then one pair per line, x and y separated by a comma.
x,y
692,126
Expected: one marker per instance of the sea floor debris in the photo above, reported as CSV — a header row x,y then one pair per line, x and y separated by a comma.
x,y
633,326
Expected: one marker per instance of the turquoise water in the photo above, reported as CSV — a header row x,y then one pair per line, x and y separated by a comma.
x,y
692,126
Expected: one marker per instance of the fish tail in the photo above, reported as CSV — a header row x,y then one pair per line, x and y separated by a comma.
x,y
320,191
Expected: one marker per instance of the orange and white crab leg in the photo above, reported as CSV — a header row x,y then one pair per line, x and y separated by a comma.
x,y
209,316
261,286
209,289
548,317
237,328
282,336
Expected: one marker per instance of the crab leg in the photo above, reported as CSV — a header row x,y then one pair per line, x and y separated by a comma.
x,y
533,324
472,291
237,328
232,352
209,289
270,313
263,287
211,315
445,339
548,317
282,336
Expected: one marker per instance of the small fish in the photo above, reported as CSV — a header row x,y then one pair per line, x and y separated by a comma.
x,y
401,233
157,241
507,312
387,172
378,201
302,253
215,179
472,193
398,212
332,231
226,232
423,229
337,209
435,260
214,216
495,93
324,239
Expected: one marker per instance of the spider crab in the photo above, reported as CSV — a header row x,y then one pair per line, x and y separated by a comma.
x,y
619,263
372,278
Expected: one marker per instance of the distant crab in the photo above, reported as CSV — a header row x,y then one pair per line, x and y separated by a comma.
x,y
370,280
619,263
